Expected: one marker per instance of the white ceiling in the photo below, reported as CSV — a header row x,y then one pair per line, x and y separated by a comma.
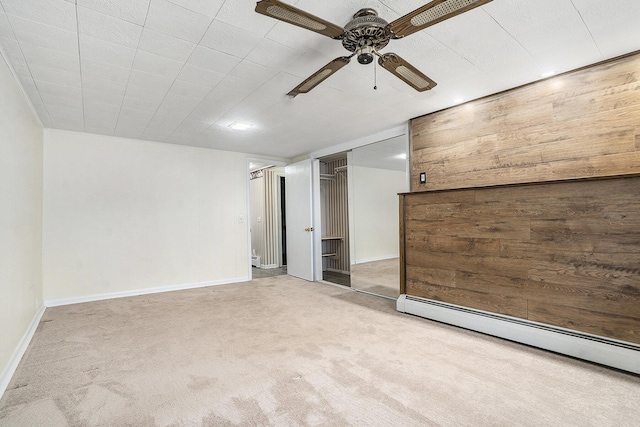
x,y
181,71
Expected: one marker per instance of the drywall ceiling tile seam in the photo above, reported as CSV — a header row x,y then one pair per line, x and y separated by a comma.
x,y
5,28
197,75
133,11
102,70
275,55
174,82
177,21
55,13
584,22
105,27
208,8
157,65
43,35
229,39
213,60
161,44
189,90
101,50
41,121
30,76
57,90
258,24
515,39
110,98
48,57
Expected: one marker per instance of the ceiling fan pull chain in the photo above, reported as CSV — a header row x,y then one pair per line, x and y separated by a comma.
x,y
375,76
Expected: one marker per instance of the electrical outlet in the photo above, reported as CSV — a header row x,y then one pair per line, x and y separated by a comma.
x,y
423,177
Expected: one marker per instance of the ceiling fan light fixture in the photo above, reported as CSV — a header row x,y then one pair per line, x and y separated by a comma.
x,y
365,55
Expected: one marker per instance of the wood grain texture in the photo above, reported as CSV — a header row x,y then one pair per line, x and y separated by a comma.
x,y
562,253
580,124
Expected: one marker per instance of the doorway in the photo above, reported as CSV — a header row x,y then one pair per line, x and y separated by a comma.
x,y
267,220
283,220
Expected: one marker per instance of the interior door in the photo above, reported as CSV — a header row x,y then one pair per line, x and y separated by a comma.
x,y
299,206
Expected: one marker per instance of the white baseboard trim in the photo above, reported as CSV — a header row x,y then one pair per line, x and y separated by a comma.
x,y
606,351
133,293
14,361
380,258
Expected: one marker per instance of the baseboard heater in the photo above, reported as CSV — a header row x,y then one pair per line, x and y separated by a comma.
x,y
614,353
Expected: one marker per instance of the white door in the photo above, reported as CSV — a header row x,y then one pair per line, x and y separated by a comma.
x,y
298,194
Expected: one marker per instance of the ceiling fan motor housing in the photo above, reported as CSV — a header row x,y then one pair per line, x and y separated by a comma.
x,y
366,33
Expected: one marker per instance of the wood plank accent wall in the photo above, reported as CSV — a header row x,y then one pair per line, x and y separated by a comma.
x,y
584,123
491,229
564,253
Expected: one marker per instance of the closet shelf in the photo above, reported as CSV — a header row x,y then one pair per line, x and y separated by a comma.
x,y
327,176
330,255
332,238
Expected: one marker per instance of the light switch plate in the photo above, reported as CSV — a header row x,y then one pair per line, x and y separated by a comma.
x,y
423,177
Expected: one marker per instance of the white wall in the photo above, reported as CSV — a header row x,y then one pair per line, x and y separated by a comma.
x,y
20,222
374,213
124,215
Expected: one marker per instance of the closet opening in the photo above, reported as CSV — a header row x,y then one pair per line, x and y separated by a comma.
x,y
336,264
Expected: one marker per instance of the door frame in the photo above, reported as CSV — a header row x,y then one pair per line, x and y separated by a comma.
x,y
248,213
402,130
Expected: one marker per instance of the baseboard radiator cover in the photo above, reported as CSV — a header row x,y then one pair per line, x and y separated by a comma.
x,y
609,352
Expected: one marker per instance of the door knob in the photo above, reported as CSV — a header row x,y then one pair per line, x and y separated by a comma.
x,y
308,229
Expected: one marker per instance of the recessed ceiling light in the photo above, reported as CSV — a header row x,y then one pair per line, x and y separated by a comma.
x,y
458,100
548,74
239,126
402,156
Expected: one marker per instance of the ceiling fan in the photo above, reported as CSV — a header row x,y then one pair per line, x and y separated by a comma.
x,y
366,34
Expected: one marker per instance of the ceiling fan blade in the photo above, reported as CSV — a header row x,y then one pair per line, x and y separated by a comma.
x,y
430,14
287,13
321,75
406,72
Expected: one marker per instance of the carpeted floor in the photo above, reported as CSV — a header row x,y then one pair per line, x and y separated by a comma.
x,y
261,273
281,352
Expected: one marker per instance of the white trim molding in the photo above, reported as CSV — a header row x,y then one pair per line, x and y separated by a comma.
x,y
606,351
133,293
14,361
369,139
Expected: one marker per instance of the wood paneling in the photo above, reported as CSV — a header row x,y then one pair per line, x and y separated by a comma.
x,y
562,253
580,124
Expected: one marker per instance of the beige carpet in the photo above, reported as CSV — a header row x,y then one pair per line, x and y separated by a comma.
x,y
284,352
